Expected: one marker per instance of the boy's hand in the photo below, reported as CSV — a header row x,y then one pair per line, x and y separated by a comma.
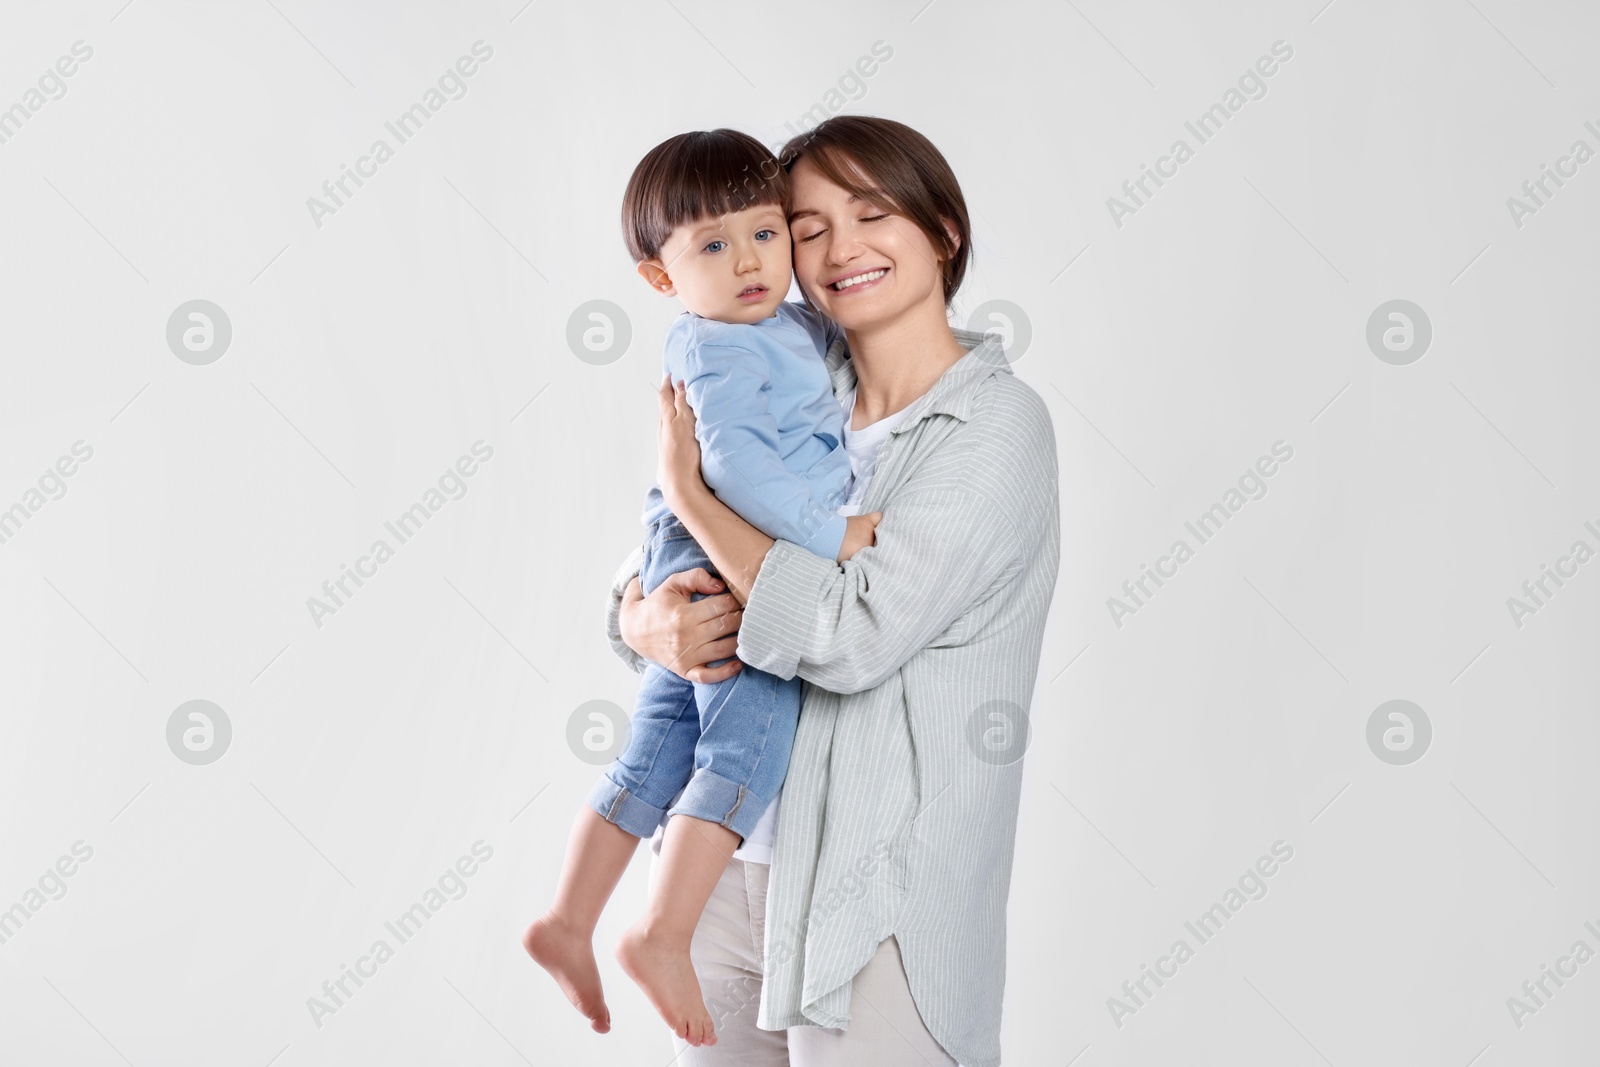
x,y
859,532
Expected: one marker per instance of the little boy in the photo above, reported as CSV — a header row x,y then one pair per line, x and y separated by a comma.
x,y
704,222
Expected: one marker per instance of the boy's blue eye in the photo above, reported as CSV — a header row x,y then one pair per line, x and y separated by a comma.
x,y
774,233
708,247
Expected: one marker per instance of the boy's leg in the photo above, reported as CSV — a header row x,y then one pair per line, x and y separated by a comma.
x,y
635,789
747,728
627,803
727,950
655,950
561,940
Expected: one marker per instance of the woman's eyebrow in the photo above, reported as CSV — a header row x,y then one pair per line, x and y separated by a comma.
x,y
805,211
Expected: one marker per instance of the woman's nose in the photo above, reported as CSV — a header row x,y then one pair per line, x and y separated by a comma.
x,y
842,250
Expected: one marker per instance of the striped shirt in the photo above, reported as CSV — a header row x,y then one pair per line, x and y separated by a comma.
x,y
919,657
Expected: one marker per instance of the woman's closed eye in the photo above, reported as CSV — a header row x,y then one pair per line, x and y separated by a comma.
x,y
819,233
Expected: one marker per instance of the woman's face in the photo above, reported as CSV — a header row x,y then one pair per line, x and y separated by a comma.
x,y
891,265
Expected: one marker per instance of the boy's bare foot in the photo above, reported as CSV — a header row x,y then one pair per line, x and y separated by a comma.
x,y
569,957
667,978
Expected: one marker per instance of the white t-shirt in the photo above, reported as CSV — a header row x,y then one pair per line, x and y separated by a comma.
x,y
862,446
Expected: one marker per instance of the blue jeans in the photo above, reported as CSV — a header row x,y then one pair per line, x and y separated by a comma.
x,y
725,744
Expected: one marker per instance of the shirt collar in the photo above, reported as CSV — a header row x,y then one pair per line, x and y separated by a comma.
x,y
952,394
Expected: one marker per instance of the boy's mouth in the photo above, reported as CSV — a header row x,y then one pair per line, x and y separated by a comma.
x,y
753,293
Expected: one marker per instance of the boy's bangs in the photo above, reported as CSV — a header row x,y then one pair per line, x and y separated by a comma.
x,y
703,194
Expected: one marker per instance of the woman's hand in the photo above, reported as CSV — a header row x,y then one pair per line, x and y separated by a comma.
x,y
678,465
681,634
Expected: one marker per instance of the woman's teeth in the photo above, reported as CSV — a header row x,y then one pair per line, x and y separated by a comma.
x,y
870,276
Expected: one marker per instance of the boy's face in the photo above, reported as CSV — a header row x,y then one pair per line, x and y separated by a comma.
x,y
731,268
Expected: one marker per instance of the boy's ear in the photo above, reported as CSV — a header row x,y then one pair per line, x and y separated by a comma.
x,y
655,272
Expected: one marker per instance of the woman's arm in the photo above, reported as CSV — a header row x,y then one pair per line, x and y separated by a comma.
x,y
940,550
736,548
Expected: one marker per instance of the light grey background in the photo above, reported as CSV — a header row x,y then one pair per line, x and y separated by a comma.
x,y
430,312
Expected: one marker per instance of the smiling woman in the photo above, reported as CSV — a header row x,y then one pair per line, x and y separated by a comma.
x,y
917,187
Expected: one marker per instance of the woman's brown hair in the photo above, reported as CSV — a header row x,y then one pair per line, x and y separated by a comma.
x,y
899,166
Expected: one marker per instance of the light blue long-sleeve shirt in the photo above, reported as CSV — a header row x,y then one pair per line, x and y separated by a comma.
x,y
771,433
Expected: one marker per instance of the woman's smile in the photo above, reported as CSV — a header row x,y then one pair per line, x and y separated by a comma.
x,y
858,280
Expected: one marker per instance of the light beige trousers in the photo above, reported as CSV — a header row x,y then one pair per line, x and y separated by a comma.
x,y
885,1028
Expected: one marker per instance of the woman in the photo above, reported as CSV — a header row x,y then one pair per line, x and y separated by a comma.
x,y
877,933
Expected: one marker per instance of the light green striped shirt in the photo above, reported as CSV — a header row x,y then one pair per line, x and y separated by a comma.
x,y
919,657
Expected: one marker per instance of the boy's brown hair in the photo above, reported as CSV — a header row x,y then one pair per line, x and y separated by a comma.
x,y
695,176
904,167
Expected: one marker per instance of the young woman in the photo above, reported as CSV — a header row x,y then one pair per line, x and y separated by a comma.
x,y
876,934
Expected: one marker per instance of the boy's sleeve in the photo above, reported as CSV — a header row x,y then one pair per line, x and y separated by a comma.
x,y
728,386
823,329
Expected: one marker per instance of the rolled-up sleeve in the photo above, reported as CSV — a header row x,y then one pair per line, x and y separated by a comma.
x,y
848,627
619,586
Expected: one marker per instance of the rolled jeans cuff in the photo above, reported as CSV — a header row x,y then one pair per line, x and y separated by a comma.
x,y
727,803
616,805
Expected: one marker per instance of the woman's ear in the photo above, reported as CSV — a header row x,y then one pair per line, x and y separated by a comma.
x,y
655,272
953,234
